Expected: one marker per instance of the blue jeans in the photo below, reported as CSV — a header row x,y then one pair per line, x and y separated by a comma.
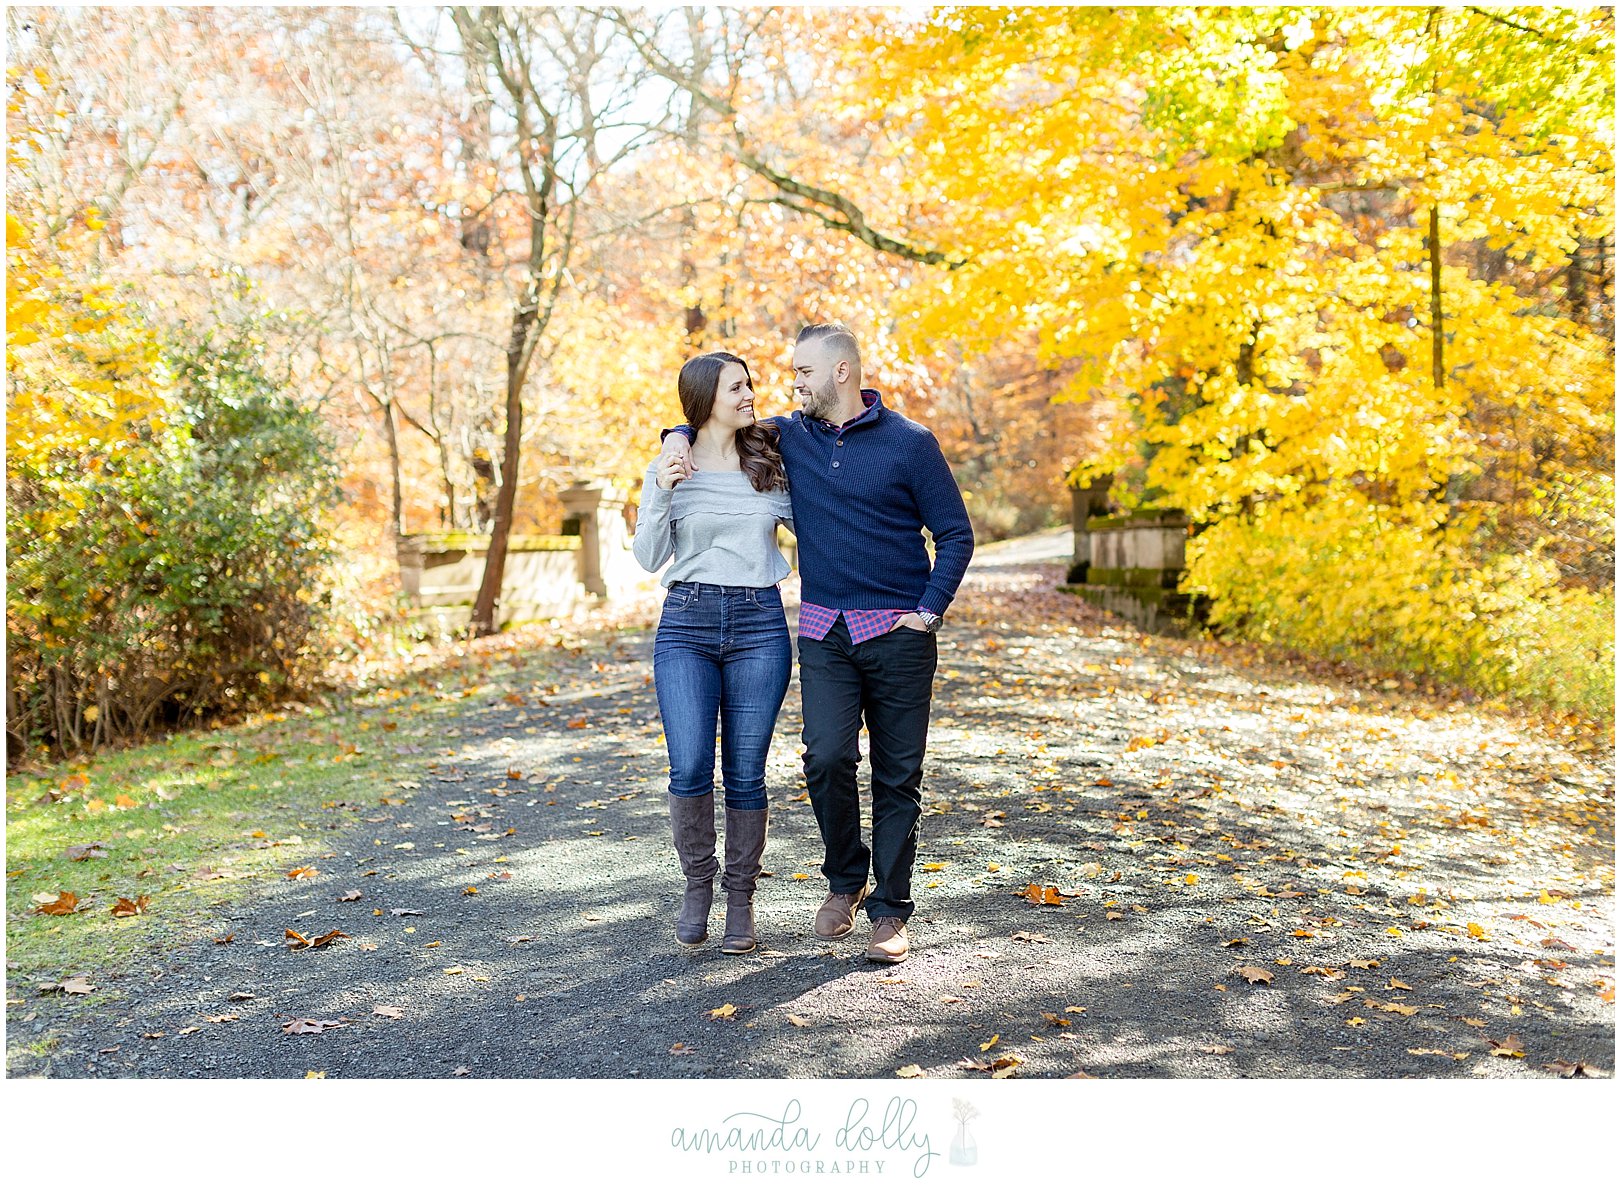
x,y
722,652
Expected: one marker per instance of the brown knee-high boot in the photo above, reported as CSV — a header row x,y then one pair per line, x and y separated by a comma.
x,y
745,843
692,820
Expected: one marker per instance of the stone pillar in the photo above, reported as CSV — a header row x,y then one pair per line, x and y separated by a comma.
x,y
1085,502
584,501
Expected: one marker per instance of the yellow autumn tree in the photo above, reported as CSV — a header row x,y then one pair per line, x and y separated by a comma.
x,y
1337,281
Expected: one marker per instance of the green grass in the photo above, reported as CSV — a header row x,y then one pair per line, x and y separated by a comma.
x,y
250,801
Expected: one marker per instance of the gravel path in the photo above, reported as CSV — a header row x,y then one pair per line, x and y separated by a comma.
x,y
1419,889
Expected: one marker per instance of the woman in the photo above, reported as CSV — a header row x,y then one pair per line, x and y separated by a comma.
x,y
722,649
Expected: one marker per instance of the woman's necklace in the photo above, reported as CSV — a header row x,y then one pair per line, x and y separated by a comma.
x,y
710,460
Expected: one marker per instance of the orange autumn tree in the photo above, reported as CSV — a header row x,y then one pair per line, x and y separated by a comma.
x,y
1339,280
780,204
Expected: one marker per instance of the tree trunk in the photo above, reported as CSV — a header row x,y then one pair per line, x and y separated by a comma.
x,y
485,621
397,496
1437,336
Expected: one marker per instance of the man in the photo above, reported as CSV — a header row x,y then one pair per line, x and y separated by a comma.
x,y
864,482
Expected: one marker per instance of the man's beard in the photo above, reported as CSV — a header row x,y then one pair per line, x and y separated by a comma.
x,y
822,401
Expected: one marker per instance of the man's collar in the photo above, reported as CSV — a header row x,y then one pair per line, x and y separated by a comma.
x,y
871,399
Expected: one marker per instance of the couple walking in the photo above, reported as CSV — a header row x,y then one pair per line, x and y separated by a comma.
x,y
856,483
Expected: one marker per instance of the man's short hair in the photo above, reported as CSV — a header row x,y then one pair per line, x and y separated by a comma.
x,y
839,339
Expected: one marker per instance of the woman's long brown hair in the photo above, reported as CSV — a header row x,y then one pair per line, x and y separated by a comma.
x,y
756,444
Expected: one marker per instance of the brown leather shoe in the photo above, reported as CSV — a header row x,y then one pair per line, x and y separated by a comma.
x,y
889,943
837,916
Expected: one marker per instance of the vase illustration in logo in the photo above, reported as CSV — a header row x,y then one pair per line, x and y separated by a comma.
x,y
963,1148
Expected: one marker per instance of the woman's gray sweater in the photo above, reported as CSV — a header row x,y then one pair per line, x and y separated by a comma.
x,y
716,526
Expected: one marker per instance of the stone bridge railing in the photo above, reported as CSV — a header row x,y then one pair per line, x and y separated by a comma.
x,y
544,576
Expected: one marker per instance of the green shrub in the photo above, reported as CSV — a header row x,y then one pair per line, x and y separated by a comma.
x,y
179,577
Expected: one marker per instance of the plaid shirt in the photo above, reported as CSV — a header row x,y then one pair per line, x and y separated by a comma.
x,y
816,622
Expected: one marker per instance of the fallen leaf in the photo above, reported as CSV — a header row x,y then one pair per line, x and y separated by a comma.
x,y
1056,1020
299,1027
226,940
86,850
1509,1046
991,1067
384,1009
1356,1021
951,999
1397,985
798,1021
724,1012
222,1019
909,1071
1363,963
1042,894
1254,974
1568,1069
990,1042
131,908
351,894
1235,942
303,873
58,904
1475,930
1218,1050
297,941
78,985
1037,938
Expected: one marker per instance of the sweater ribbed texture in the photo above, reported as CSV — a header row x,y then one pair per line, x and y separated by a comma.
x,y
716,526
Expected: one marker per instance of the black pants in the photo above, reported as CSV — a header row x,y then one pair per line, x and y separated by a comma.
x,y
887,681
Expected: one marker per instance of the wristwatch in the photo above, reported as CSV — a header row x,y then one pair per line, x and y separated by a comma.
x,y
931,621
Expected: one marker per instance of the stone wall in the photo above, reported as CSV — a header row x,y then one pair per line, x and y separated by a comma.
x,y
544,576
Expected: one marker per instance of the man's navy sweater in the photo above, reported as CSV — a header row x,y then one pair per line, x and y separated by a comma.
x,y
862,496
